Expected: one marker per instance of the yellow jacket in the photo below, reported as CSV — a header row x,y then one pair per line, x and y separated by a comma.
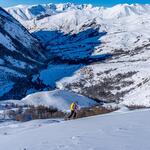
x,y
72,106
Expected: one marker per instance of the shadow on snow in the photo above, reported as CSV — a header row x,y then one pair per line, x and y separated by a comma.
x,y
69,52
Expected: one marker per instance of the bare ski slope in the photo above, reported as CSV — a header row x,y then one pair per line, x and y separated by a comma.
x,y
115,131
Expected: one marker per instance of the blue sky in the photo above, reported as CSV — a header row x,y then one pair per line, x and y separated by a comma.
x,y
7,3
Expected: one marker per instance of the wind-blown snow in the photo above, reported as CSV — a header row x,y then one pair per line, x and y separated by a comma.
x,y
60,99
116,131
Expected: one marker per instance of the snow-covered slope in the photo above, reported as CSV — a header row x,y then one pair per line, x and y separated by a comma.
x,y
27,12
20,55
124,10
59,99
83,34
118,131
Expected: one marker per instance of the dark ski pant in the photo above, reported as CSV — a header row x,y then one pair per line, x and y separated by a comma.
x,y
73,114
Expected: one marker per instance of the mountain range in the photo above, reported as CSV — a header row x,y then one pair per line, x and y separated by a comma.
x,y
101,53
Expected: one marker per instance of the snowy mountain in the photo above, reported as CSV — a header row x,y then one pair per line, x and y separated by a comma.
x,y
25,12
120,130
107,49
59,99
21,55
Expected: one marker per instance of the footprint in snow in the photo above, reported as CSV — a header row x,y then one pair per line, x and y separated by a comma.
x,y
61,147
91,148
121,129
76,140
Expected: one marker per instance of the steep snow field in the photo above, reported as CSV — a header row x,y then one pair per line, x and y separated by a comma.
x,y
115,131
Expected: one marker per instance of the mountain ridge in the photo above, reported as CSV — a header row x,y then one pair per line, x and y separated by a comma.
x,y
21,55
77,36
29,12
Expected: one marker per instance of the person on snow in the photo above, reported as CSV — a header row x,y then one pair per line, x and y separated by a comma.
x,y
74,109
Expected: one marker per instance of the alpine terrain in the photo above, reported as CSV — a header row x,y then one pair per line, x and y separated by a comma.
x,y
62,65
21,56
102,53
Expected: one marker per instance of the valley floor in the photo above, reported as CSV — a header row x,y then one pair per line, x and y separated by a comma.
x,y
120,130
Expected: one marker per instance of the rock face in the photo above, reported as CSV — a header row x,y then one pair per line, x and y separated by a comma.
x,y
82,34
20,56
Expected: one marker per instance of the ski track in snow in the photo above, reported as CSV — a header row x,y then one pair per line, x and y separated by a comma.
x,y
115,131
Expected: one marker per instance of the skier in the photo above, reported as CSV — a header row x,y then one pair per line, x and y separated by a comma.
x,y
74,108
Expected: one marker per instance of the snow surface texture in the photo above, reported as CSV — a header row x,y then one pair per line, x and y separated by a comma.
x,y
60,99
116,131
71,32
